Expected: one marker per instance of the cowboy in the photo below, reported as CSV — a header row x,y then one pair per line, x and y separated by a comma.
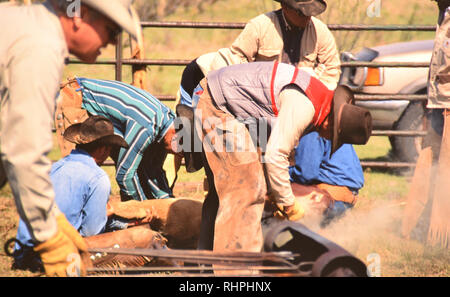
x,y
328,184
428,196
141,119
291,35
36,42
282,101
81,187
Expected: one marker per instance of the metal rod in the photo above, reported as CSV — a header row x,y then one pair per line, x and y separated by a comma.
x,y
385,64
406,133
196,25
156,62
200,255
183,62
380,164
365,164
98,62
241,25
200,268
358,97
119,57
384,97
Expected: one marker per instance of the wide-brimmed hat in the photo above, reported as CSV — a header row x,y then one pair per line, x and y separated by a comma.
x,y
351,124
122,13
306,7
95,128
193,160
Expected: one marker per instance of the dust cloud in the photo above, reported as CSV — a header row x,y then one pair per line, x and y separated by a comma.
x,y
358,226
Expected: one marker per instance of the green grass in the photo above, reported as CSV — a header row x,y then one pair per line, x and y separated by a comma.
x,y
170,43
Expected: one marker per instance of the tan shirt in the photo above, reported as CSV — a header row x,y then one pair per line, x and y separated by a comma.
x,y
32,55
261,40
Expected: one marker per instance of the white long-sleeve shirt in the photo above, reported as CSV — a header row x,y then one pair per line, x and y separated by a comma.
x,y
295,114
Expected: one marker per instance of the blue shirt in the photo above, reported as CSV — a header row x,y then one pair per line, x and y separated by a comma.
x,y
141,120
82,191
313,164
190,100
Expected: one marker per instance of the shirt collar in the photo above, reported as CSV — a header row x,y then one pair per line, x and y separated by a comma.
x,y
286,23
81,156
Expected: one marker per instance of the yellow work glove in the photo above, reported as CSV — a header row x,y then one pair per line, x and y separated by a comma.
x,y
293,213
60,254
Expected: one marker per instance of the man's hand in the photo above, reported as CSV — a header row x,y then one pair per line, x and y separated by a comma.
x,y
60,254
144,220
293,212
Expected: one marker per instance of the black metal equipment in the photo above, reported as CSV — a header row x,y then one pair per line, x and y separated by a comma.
x,y
290,249
327,258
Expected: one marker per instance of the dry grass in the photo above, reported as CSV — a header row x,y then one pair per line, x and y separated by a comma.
x,y
372,227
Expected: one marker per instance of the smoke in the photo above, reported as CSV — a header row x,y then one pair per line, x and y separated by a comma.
x,y
359,226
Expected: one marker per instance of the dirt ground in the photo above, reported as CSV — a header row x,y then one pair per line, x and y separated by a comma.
x,y
371,231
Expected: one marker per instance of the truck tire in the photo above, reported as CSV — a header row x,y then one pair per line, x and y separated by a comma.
x,y
406,149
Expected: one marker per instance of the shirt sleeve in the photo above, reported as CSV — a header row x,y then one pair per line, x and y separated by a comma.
x,y
309,155
32,79
245,48
94,210
296,113
329,67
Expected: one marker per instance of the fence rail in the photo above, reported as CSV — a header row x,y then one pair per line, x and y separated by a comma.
x,y
119,62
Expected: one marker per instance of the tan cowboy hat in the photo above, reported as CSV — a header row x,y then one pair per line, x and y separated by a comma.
x,y
306,7
351,124
93,129
122,13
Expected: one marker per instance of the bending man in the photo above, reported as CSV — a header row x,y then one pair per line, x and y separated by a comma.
x,y
143,121
285,100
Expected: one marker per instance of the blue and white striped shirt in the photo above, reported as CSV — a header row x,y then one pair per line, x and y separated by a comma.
x,y
139,118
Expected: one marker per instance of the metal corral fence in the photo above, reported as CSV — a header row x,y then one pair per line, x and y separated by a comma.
x,y
119,62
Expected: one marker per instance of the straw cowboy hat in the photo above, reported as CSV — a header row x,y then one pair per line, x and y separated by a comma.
x,y
93,129
351,124
122,13
306,7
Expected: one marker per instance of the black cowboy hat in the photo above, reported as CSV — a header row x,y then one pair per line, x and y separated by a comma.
x,y
185,118
93,129
351,124
306,7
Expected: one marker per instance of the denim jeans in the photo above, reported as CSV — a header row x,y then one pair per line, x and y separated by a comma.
x,y
336,210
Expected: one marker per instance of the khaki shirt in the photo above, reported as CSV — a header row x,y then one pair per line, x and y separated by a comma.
x,y
261,40
32,55
439,75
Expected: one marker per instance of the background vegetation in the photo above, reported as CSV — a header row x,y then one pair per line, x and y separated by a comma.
x,y
373,226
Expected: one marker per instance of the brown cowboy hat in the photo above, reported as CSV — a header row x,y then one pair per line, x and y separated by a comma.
x,y
351,124
306,7
94,129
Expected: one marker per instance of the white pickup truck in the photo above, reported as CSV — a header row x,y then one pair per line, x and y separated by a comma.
x,y
393,114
